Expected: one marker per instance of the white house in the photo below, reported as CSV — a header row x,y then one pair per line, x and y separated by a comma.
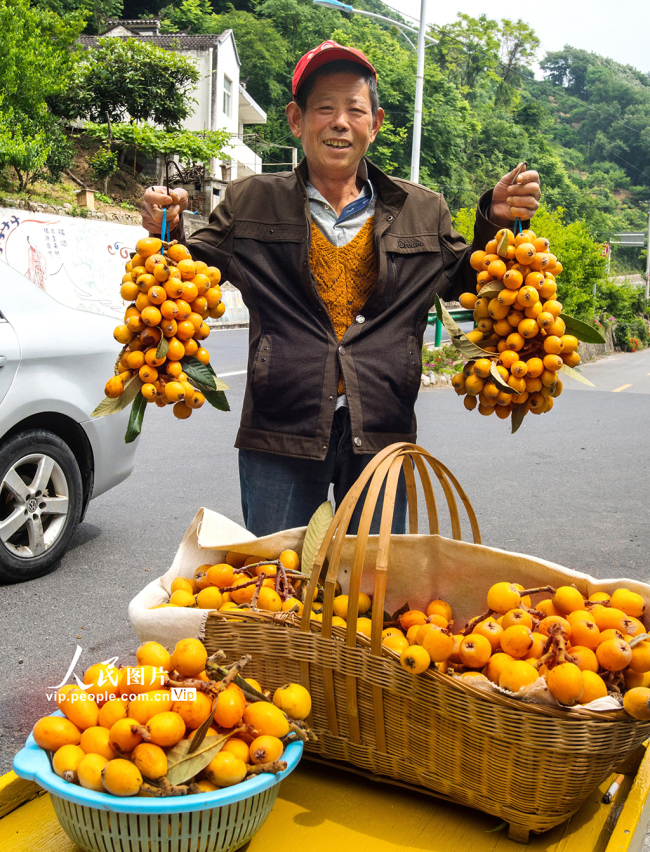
x,y
222,102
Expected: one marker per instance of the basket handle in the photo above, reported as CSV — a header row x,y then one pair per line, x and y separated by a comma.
x,y
383,470
404,456
377,469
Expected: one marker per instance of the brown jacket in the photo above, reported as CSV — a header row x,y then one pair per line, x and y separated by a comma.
x,y
259,237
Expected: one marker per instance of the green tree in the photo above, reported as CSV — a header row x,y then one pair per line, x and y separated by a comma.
x,y
101,11
95,12
37,47
38,52
300,23
25,151
35,150
263,53
194,15
104,164
190,147
467,50
131,80
519,45
580,255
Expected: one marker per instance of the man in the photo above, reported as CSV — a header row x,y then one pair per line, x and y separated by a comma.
x,y
338,265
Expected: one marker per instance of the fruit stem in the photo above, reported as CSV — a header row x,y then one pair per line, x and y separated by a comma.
x,y
216,672
274,767
479,618
282,585
548,589
555,651
233,672
258,588
191,682
143,731
152,790
245,568
613,680
241,585
303,733
536,614
166,789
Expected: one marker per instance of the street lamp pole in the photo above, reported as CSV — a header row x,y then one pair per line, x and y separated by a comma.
x,y
423,40
419,90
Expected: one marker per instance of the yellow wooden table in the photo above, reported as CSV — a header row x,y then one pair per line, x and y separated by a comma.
x,y
320,808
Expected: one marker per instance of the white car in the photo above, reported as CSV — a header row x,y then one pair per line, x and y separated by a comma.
x,y
54,362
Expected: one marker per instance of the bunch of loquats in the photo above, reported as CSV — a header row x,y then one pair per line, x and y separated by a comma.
x,y
124,734
584,649
242,582
520,344
162,360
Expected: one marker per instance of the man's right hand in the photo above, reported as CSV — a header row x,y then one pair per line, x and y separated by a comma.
x,y
155,198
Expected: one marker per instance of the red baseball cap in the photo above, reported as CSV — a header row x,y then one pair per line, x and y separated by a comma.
x,y
328,51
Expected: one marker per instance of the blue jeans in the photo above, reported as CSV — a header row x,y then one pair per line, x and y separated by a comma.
x,y
281,492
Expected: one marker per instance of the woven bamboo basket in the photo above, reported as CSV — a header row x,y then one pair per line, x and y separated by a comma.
x,y
533,765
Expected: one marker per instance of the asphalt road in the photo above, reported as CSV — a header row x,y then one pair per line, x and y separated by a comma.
x,y
572,486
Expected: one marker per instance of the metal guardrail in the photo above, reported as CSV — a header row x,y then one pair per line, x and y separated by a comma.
x,y
459,314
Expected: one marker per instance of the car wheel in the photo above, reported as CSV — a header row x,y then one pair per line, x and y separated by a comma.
x,y
41,499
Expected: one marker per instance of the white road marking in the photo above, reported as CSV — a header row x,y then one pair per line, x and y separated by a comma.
x,y
235,373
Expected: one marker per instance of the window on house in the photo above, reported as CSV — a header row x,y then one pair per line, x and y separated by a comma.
x,y
227,95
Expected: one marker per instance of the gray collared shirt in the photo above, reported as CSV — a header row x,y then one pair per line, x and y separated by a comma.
x,y
340,230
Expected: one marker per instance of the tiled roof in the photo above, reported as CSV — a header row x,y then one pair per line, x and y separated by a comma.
x,y
140,21
170,41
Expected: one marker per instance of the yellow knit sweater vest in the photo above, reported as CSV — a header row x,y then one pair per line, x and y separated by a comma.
x,y
345,275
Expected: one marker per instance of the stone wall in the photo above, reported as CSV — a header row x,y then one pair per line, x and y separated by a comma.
x,y
192,222
592,351
126,217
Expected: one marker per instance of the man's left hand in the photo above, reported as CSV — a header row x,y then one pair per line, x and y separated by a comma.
x,y
520,199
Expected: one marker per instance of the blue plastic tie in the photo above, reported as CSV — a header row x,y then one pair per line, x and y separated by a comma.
x,y
517,229
164,231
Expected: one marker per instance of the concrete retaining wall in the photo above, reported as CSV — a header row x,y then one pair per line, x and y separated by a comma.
x,y
592,351
125,218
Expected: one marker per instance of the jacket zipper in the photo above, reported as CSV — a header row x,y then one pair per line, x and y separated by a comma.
x,y
393,278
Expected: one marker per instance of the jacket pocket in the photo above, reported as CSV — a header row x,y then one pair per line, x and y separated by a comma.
x,y
411,264
262,366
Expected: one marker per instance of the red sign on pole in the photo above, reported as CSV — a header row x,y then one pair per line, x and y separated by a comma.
x,y
606,250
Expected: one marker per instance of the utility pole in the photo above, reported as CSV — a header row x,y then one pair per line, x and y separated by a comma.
x,y
419,90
